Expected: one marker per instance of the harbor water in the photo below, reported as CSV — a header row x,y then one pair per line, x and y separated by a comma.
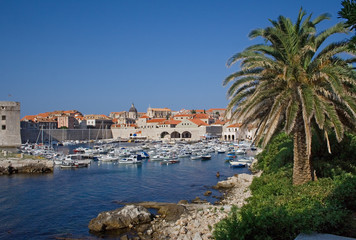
x,y
61,204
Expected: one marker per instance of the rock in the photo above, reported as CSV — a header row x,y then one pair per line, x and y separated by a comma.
x,y
20,165
198,200
120,218
207,193
124,237
197,236
229,183
183,202
172,212
168,211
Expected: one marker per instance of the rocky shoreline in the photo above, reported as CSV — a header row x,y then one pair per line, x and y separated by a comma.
x,y
185,221
13,165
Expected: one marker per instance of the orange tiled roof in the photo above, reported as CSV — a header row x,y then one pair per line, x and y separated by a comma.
x,y
156,120
144,116
29,118
216,109
234,125
43,114
198,122
220,122
202,115
199,111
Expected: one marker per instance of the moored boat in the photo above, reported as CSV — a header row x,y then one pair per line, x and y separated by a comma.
x,y
133,159
73,164
206,157
238,164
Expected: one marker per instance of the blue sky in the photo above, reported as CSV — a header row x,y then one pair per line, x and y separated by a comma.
x,y
100,56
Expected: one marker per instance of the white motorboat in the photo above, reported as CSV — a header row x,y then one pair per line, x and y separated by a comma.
x,y
196,157
133,159
157,158
206,157
108,158
73,164
238,164
76,157
240,151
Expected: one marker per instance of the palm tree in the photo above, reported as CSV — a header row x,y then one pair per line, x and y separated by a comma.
x,y
289,83
348,12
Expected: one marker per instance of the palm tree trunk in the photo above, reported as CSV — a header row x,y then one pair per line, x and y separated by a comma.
x,y
301,168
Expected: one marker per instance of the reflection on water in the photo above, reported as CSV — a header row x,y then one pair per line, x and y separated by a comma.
x,y
46,205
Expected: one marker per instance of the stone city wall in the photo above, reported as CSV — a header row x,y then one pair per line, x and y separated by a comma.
x,y
36,135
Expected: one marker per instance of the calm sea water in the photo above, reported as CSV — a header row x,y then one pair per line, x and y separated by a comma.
x,y
48,206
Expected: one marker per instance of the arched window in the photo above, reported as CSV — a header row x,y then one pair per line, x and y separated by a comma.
x,y
175,135
164,134
186,134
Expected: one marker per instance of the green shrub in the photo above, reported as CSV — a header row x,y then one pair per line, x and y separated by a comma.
x,y
279,153
341,160
279,210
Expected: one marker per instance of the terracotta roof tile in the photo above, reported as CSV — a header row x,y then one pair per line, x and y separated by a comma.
x,y
220,122
202,116
234,125
216,109
156,120
198,122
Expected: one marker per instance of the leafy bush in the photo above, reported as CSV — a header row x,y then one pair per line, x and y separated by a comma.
x,y
341,160
279,210
278,153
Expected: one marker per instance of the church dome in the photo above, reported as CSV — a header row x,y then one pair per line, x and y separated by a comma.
x,y
133,109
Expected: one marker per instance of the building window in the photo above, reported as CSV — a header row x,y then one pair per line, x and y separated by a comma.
x,y
3,127
3,117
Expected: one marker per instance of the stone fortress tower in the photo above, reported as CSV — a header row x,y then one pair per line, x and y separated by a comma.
x,y
10,135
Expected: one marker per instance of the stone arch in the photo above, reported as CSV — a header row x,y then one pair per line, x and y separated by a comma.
x,y
233,137
225,136
186,134
164,134
175,134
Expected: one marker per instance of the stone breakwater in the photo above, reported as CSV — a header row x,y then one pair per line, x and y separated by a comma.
x,y
184,221
23,165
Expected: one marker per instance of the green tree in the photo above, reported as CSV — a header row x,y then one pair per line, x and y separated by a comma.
x,y
289,83
348,11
